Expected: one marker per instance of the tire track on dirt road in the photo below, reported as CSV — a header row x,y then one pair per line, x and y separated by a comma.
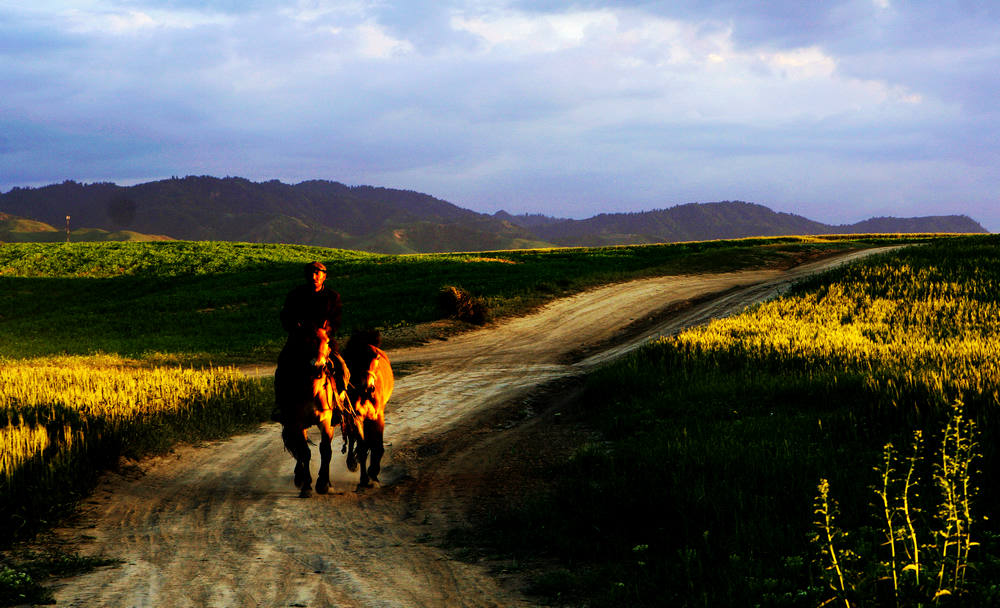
x,y
221,524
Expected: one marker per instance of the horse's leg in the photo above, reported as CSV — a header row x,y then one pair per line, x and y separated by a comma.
x,y
373,435
299,477
296,445
325,454
366,449
352,453
304,456
362,451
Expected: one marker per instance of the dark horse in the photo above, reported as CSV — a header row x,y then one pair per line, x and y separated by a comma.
x,y
369,390
310,389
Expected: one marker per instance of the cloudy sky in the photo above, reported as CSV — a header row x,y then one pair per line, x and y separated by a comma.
x,y
837,110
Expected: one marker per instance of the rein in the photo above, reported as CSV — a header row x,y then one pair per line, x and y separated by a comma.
x,y
326,371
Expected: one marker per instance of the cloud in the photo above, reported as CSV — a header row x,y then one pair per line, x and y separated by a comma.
x,y
374,42
526,34
531,106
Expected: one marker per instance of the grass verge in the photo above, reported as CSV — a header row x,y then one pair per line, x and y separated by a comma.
x,y
22,574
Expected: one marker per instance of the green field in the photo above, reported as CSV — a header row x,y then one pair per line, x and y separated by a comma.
x,y
123,320
218,302
716,440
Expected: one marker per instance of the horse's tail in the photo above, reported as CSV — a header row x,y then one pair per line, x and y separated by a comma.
x,y
294,440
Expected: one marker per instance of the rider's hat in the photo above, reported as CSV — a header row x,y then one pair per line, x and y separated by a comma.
x,y
314,266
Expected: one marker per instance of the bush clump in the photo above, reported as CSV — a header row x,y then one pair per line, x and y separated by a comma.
x,y
460,304
18,587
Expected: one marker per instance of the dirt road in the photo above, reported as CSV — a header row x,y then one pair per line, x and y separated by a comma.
x,y
221,524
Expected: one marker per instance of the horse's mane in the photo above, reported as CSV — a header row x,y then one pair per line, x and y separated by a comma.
x,y
362,338
358,354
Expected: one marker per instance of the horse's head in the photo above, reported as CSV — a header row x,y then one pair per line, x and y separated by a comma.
x,y
318,346
371,375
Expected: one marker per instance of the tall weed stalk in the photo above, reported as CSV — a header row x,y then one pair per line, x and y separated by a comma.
x,y
923,560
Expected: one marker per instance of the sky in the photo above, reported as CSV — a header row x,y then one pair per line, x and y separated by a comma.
x,y
838,110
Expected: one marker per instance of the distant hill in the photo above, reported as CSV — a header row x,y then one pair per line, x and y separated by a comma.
x,y
723,220
529,220
690,222
368,218
319,213
15,229
939,223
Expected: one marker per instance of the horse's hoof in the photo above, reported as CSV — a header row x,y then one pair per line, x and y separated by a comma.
x,y
305,492
352,463
322,489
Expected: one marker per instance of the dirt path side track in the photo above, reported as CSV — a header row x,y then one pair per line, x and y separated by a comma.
x,y
221,525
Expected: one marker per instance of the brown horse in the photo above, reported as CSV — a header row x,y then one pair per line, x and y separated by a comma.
x,y
369,391
310,389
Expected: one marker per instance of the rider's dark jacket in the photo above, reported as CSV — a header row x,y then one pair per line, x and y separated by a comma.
x,y
306,308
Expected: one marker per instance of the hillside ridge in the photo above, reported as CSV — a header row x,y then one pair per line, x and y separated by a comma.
x,y
385,220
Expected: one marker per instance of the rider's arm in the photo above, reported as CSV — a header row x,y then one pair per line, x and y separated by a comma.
x,y
290,316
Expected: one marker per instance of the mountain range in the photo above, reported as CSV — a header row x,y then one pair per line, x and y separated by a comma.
x,y
368,218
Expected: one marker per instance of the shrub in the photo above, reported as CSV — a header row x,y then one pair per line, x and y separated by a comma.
x,y
460,304
18,587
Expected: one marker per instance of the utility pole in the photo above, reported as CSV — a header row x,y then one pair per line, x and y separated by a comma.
x,y
67,228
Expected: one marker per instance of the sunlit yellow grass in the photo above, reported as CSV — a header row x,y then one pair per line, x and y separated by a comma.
x,y
906,330
118,392
19,443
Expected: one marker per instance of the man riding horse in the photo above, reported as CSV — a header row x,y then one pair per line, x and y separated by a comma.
x,y
312,386
310,382
307,307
